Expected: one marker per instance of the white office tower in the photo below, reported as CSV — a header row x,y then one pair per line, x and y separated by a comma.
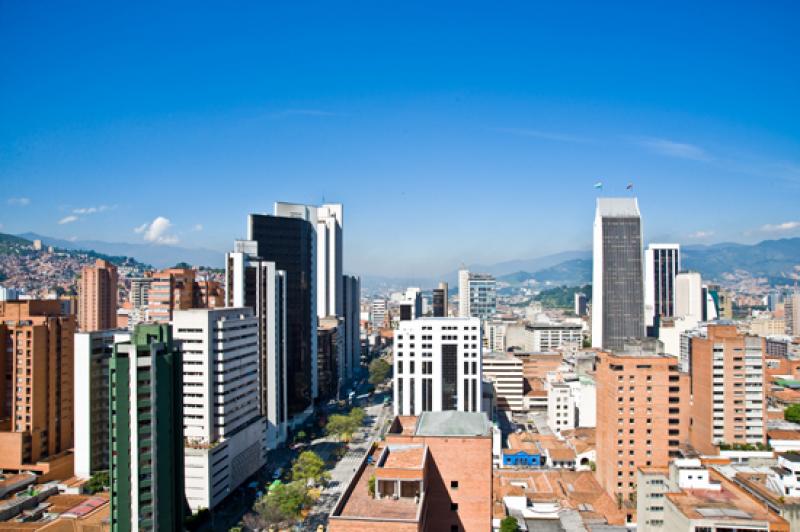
x,y
617,279
139,297
352,324
411,304
91,399
689,311
378,312
437,366
662,262
505,371
330,298
256,284
477,295
223,428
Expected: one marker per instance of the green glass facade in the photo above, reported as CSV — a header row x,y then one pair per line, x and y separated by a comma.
x,y
147,476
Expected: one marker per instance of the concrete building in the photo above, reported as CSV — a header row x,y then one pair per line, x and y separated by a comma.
x,y
551,336
36,411
505,372
437,365
723,300
432,473
642,416
139,299
662,262
494,336
378,312
330,289
92,405
617,279
8,294
352,326
180,289
330,358
689,298
147,474
688,497
477,295
441,305
253,282
581,304
289,240
411,305
791,308
727,375
571,401
223,430
97,297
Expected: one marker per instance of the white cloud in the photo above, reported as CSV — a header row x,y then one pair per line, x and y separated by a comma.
x,y
671,148
197,227
22,202
91,210
701,234
777,228
68,219
156,231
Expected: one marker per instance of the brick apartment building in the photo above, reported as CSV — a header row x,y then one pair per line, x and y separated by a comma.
x,y
433,473
97,297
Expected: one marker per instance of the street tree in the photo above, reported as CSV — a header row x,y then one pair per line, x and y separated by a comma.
x,y
309,466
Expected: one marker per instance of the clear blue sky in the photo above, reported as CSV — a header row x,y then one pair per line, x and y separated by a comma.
x,y
460,132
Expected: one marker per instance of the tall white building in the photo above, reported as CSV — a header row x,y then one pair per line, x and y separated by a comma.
x,y
330,297
689,295
140,298
378,312
662,262
223,427
91,399
437,365
505,373
571,401
552,336
477,295
411,305
256,283
617,276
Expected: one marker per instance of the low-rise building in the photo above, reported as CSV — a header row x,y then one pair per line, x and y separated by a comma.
x,y
505,372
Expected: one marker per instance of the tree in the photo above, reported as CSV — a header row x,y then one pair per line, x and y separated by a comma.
x,y
378,371
371,486
357,415
267,513
309,466
340,426
792,413
98,482
290,498
508,524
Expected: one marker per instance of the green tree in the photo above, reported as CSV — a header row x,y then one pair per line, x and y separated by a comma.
x,y
98,482
340,426
309,466
508,524
792,413
378,371
357,415
290,498
371,486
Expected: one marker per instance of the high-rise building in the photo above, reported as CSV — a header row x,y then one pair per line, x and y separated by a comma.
x,y
378,312
662,262
791,306
728,400
139,298
642,416
581,304
253,282
223,430
289,240
477,295
723,301
147,473
330,295
411,305
437,365
330,357
352,325
172,289
440,301
36,408
617,298
92,405
689,295
97,297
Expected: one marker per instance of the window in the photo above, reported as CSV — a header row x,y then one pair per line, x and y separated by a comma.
x,y
454,484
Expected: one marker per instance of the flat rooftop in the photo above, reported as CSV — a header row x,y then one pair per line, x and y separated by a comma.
x,y
453,423
404,456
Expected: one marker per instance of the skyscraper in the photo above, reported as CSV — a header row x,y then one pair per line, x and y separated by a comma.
x,y
290,242
223,429
662,263
36,354
352,324
411,306
329,222
97,297
253,282
440,303
147,474
618,301
140,298
477,295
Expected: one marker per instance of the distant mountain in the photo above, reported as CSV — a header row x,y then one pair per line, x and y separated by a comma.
x,y
570,272
157,255
778,260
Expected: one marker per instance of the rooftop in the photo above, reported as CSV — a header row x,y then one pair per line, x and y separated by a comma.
x,y
404,456
618,207
453,423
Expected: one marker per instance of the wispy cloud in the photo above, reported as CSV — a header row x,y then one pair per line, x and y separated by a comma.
x,y
197,227
156,231
68,219
21,202
671,148
545,135
701,234
304,112
92,210
781,227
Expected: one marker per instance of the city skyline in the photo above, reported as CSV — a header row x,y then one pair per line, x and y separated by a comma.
x,y
537,113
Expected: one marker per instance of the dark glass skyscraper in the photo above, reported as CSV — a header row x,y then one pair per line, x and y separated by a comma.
x,y
617,287
290,243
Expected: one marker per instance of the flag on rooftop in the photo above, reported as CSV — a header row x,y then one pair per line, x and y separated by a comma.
x,y
629,187
599,185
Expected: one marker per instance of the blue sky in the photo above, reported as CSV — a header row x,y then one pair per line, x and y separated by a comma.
x,y
460,132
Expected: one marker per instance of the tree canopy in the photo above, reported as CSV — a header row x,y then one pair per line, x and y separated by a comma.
x,y
792,413
378,371
309,466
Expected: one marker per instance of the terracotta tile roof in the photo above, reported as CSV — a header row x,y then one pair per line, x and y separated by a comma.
x,y
780,434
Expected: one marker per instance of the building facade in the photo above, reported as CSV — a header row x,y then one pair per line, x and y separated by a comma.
x,y
97,297
505,372
352,325
477,295
223,430
440,301
662,262
330,357
551,336
617,279
437,365
146,400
